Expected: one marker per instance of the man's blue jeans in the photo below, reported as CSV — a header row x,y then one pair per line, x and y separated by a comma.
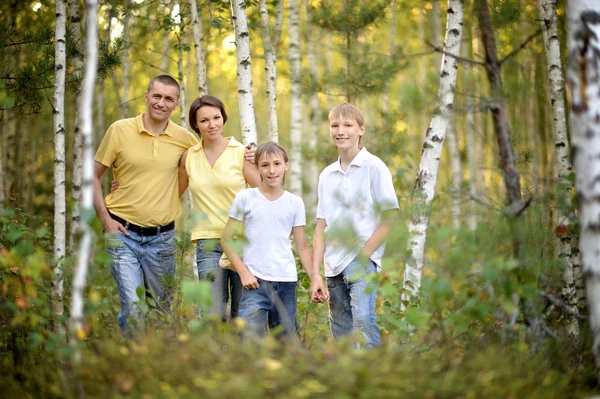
x,y
350,307
142,261
223,281
273,303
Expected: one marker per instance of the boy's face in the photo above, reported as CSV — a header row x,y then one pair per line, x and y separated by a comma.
x,y
345,133
272,168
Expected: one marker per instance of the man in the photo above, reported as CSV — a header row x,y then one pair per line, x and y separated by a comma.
x,y
144,153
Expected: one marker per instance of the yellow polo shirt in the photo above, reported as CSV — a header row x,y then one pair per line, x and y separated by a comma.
x,y
146,167
214,188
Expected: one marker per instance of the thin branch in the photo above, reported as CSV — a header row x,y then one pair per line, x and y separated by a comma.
x,y
561,304
17,43
522,46
441,50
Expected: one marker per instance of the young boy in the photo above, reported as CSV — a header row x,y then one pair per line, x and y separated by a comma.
x,y
268,269
356,195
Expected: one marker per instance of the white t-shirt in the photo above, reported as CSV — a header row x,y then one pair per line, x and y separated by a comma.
x,y
267,227
351,203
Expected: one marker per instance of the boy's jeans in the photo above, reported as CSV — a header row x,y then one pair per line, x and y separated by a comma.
x,y
350,308
142,261
208,253
272,301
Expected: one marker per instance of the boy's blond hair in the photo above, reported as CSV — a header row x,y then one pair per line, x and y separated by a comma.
x,y
347,111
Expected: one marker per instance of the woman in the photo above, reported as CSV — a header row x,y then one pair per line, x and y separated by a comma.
x,y
215,171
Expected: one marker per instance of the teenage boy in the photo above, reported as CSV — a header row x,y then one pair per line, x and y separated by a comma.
x,y
144,153
356,196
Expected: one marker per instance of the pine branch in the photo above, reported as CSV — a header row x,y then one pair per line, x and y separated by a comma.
x,y
522,46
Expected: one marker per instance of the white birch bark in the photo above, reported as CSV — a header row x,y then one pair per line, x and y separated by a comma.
x,y
279,11
126,58
87,96
564,187
270,71
180,72
430,156
58,104
456,174
198,35
74,17
583,75
315,112
244,71
296,113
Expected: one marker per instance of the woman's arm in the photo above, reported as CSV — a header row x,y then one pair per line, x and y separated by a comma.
x,y
182,176
251,174
249,281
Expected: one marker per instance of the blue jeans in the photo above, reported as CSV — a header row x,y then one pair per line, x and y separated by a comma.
x,y
142,261
224,281
350,308
272,302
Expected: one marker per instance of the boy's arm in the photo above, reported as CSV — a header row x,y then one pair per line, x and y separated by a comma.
x,y
109,224
318,291
249,281
379,235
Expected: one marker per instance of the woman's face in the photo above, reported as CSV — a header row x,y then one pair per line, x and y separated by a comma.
x,y
210,122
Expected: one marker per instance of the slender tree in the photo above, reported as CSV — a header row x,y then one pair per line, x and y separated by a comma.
x,y
180,71
564,187
74,18
295,99
583,76
315,112
198,35
244,71
456,173
270,70
426,179
126,56
87,100
58,105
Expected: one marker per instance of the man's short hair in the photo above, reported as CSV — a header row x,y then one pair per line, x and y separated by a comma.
x,y
205,101
347,111
166,80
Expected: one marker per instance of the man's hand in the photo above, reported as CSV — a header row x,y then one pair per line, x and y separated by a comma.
x,y
112,226
318,291
248,280
249,153
114,185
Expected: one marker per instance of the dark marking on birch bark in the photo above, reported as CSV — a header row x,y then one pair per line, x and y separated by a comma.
x,y
437,139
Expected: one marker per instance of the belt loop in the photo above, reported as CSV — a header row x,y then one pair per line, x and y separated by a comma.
x,y
158,230
126,225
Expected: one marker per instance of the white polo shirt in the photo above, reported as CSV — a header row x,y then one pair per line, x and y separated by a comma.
x,y
351,203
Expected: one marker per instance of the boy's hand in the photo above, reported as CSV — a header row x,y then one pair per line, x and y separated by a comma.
x,y
249,153
318,291
114,185
249,281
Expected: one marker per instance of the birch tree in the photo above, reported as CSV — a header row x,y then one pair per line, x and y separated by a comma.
x,y
199,49
583,76
564,187
471,143
456,174
126,57
244,71
296,112
87,96
180,72
270,70
58,105
74,17
424,190
315,112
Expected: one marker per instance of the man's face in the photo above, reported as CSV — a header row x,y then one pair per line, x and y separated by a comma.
x,y
162,99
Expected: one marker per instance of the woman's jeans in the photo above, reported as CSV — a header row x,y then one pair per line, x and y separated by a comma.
x,y
350,307
225,283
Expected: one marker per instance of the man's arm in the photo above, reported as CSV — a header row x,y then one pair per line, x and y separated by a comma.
x,y
110,225
182,176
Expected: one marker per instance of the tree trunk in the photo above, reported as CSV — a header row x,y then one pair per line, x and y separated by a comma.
x,y
583,75
430,156
87,96
180,72
74,17
564,187
58,105
270,70
391,51
126,58
166,46
315,112
295,99
244,71
471,137
456,174
199,47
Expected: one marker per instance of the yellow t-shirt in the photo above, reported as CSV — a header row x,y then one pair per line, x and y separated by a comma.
x,y
146,167
214,188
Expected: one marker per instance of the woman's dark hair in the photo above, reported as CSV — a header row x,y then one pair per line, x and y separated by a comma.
x,y
204,101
